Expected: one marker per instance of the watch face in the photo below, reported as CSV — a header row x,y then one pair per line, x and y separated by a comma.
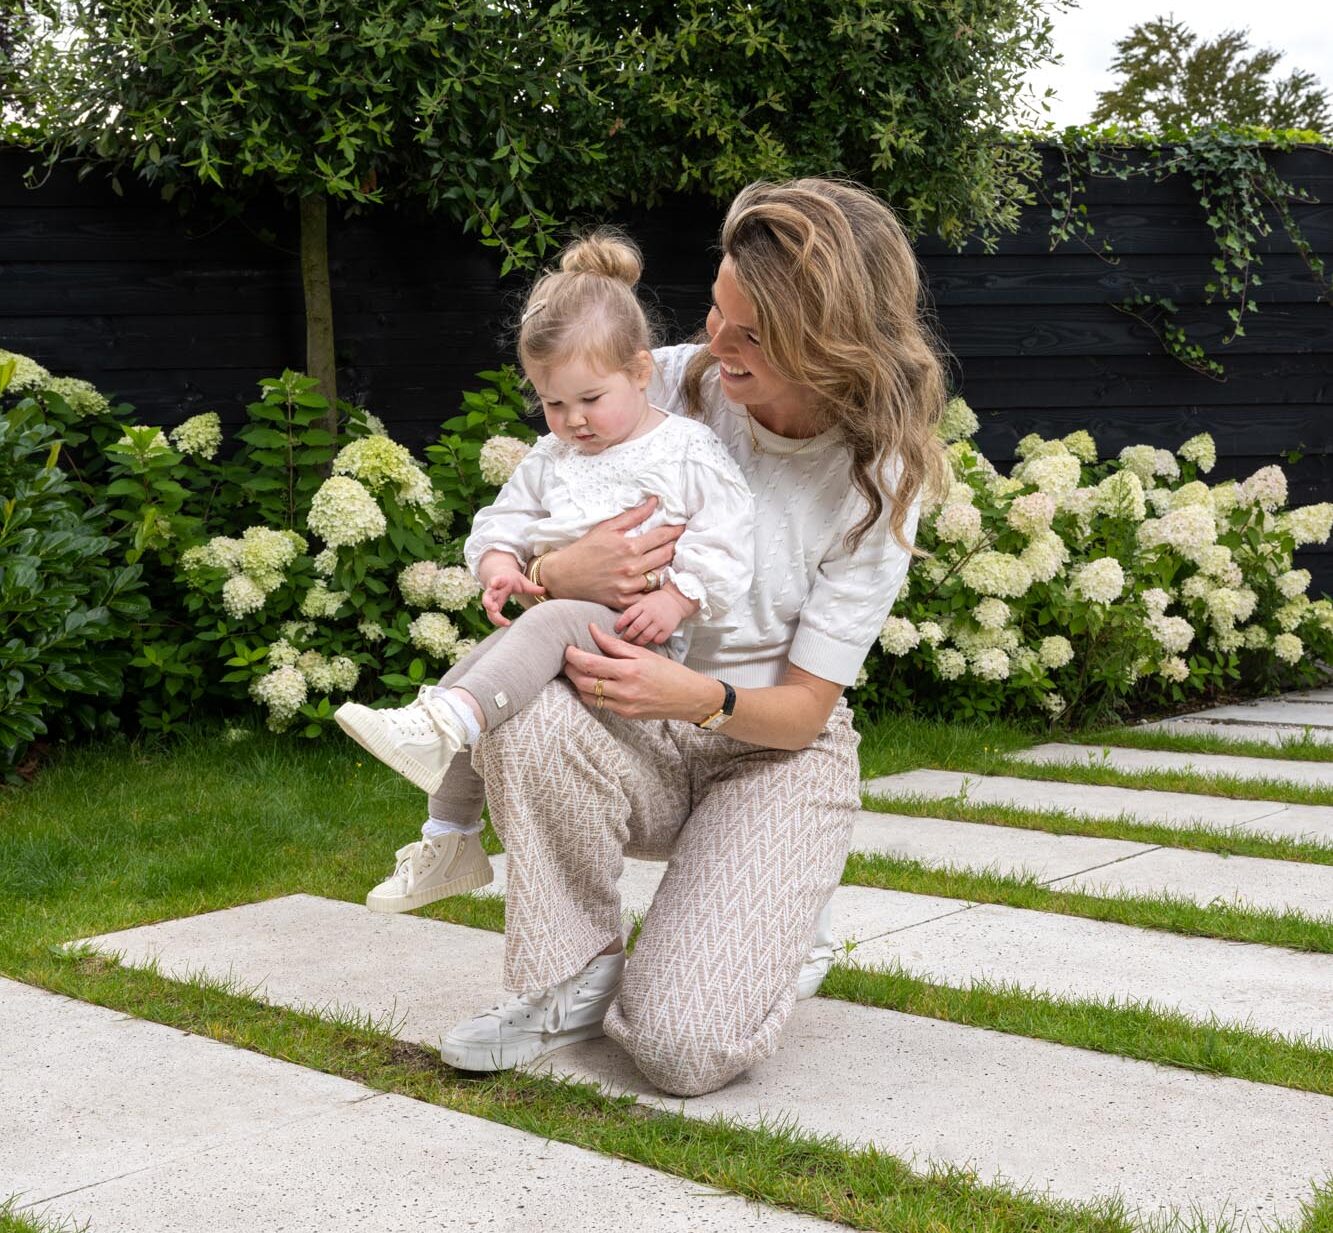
x,y
715,720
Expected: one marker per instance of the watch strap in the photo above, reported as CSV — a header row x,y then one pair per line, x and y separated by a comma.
x,y
723,713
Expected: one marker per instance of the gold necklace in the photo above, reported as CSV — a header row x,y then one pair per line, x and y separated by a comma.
x,y
759,449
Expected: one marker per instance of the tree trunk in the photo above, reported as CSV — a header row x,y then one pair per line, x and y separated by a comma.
x,y
319,357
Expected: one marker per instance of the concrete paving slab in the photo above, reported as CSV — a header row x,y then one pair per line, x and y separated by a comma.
x,y
1269,734
1182,809
972,845
1078,1123
1289,770
1075,1123
1274,711
1324,694
1207,878
1263,987
132,1125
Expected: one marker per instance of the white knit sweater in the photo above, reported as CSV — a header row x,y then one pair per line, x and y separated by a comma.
x,y
812,603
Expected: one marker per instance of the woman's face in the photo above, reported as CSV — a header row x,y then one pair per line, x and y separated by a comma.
x,y
733,333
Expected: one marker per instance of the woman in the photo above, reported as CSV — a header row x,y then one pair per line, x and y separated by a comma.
x,y
738,765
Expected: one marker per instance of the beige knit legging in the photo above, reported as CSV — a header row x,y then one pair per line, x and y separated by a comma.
x,y
756,839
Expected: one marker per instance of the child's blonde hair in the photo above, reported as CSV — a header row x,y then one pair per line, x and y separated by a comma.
x,y
587,308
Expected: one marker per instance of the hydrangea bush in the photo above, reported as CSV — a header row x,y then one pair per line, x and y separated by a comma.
x,y
1075,586
291,568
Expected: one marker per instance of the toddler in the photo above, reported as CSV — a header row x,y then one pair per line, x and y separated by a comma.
x,y
584,344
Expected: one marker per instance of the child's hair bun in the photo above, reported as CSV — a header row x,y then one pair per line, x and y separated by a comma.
x,y
605,251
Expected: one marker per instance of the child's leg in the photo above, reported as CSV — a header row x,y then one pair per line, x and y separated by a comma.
x,y
511,673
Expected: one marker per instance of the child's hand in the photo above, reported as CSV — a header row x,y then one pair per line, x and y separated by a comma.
x,y
500,587
655,617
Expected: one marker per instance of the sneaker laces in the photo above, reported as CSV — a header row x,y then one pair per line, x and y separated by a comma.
x,y
431,715
556,1003
412,859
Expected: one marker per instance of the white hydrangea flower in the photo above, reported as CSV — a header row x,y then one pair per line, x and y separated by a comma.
x,y
1288,647
1053,473
317,672
1023,659
957,523
1156,601
345,673
378,463
1226,640
1001,486
1173,634
997,573
958,421
265,554
899,636
991,613
1055,651
1228,605
319,601
991,665
1100,581
1196,492
343,512
80,396
1214,560
455,588
1292,613
500,457
241,596
464,646
28,373
931,632
435,634
964,456
371,631
1029,445
1256,638
1266,488
326,561
294,630
1082,446
1225,497
282,654
1165,464
199,436
1045,556
1188,530
1196,586
950,664
283,691
1308,524
417,583
1321,611
1201,451
1054,704
862,676
1293,583
1120,495
1032,512
1160,500
1173,668
1141,460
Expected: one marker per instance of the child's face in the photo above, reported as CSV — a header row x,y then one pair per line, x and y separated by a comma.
x,y
591,408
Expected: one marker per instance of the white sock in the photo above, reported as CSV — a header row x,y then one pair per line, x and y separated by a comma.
x,y
433,828
466,716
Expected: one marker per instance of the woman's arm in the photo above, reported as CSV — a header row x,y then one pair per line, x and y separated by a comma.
x,y
606,566
640,684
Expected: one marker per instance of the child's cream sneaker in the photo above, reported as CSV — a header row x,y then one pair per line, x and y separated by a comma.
x,y
430,869
532,1024
418,741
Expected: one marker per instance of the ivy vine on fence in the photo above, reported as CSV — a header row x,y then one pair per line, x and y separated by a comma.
x,y
1239,190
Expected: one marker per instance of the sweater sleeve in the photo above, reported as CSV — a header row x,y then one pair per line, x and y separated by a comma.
x,y
852,595
507,524
714,561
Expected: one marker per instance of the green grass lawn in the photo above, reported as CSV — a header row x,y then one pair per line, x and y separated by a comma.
x,y
119,834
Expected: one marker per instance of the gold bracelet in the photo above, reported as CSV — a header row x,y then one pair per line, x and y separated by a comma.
x,y
534,572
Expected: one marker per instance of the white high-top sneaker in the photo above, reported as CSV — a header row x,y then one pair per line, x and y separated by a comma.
x,y
418,741
820,958
532,1024
432,869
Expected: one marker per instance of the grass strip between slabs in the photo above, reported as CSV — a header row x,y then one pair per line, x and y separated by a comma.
x,y
1197,782
775,1163
1293,748
1058,822
1169,913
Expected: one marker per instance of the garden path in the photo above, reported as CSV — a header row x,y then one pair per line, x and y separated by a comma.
x,y
1078,1123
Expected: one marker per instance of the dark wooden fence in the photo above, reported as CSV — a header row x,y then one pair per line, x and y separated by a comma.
x,y
180,316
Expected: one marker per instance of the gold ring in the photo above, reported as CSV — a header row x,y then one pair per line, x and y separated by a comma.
x,y
651,581
599,692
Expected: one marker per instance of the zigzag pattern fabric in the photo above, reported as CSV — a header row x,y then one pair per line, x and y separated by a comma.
x,y
756,840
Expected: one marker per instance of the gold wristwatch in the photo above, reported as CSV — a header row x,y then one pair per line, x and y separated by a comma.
x,y
723,713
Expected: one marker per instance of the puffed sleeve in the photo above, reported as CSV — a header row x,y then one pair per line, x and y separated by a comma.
x,y
714,561
852,595
507,524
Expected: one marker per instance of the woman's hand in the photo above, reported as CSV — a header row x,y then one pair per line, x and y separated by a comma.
x,y
605,565
637,683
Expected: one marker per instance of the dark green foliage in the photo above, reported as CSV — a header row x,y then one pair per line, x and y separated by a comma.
x,y
1174,80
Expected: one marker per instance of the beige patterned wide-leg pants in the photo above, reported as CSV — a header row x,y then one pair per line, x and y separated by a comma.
x,y
756,839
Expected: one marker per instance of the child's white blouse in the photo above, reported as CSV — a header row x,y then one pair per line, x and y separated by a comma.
x,y
558,494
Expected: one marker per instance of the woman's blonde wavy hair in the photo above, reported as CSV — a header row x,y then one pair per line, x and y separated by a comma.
x,y
837,299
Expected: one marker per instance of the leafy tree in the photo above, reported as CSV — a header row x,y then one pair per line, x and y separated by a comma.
x,y
1172,80
513,116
